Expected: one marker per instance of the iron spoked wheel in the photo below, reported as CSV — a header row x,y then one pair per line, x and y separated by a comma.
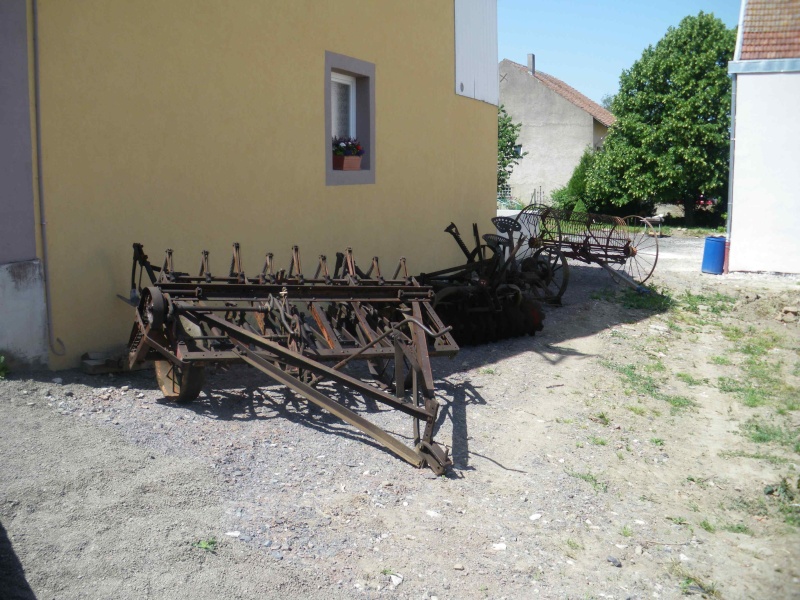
x,y
641,250
530,226
552,270
179,384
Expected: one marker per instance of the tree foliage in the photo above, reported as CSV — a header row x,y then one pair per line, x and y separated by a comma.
x,y
507,155
670,142
573,196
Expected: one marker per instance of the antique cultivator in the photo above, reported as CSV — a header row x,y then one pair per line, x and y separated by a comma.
x,y
488,298
288,326
625,247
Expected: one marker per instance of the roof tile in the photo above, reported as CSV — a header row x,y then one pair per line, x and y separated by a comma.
x,y
571,94
771,29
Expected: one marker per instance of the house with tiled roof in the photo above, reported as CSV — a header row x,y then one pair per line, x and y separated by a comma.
x,y
558,123
764,196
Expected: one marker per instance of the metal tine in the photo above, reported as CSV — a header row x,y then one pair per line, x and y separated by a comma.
x,y
401,266
268,272
353,268
166,269
236,265
205,271
322,269
295,264
377,268
350,263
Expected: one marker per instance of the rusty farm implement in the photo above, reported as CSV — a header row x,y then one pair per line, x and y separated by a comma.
x,y
299,331
497,292
487,298
625,247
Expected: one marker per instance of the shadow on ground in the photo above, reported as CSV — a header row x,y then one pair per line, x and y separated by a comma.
x,y
241,393
13,585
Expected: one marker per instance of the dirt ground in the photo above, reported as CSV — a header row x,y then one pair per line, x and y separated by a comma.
x,y
621,453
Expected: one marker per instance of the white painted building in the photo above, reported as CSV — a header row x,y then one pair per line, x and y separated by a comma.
x,y
764,199
558,124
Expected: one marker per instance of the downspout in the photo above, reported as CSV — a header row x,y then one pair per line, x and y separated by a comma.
x,y
56,345
730,173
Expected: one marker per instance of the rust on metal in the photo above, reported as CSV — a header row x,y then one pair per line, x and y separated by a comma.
x,y
488,298
288,326
625,247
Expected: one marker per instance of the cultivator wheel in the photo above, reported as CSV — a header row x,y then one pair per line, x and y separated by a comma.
x,y
179,384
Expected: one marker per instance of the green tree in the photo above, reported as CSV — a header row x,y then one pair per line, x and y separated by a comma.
x,y
573,196
670,142
508,156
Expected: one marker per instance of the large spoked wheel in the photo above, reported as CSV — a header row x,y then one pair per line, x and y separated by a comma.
x,y
179,384
529,225
552,273
640,249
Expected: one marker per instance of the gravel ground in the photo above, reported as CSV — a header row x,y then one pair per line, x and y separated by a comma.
x,y
569,481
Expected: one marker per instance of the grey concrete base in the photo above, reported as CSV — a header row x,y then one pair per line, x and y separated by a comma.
x,y
23,326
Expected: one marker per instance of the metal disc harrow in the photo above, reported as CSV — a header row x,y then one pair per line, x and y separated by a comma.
x,y
299,331
488,298
626,247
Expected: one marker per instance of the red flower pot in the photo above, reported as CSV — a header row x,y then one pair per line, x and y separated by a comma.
x,y
346,163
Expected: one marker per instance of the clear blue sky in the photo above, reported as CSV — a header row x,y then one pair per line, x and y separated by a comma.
x,y
588,43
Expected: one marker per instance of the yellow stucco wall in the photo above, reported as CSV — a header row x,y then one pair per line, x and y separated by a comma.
x,y
192,124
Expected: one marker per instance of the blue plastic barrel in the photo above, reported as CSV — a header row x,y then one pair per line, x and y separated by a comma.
x,y
714,255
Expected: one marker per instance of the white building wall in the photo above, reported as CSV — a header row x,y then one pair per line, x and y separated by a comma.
x,y
765,216
476,49
554,133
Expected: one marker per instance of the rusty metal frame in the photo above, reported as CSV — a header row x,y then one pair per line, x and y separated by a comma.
x,y
625,247
287,326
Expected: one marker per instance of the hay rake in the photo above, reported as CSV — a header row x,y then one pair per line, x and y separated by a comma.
x,y
625,247
288,326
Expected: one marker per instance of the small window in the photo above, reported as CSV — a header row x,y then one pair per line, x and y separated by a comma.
x,y
343,105
350,113
518,150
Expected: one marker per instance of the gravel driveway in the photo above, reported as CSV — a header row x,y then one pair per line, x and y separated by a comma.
x,y
570,481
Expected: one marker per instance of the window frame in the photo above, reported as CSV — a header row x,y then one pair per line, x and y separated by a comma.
x,y
364,75
350,82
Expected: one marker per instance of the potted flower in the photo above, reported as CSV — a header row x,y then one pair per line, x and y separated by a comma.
x,y
347,153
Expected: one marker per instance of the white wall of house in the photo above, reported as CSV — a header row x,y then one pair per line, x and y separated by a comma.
x,y
554,133
765,216
476,49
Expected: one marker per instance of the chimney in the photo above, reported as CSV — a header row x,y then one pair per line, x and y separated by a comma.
x,y
532,64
